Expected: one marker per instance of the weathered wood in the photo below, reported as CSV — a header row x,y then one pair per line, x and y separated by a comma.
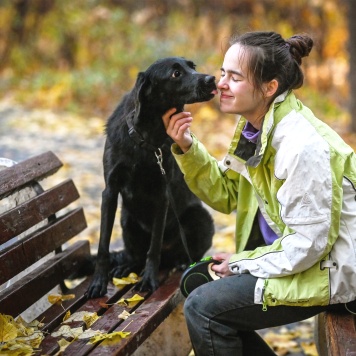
x,y
335,334
38,241
19,296
37,209
146,318
37,245
33,169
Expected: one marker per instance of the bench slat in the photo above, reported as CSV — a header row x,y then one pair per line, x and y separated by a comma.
x,y
37,209
340,333
33,169
145,320
49,345
19,296
35,246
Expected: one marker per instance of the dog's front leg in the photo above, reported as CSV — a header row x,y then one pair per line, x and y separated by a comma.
x,y
98,286
150,274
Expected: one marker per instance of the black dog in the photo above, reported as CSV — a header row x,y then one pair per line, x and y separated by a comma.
x,y
156,203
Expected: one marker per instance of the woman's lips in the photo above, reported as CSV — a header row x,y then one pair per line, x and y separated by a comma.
x,y
225,96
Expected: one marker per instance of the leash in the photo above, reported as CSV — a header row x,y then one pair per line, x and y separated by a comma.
x,y
137,138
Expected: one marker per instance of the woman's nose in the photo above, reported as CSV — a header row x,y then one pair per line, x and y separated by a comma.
x,y
221,84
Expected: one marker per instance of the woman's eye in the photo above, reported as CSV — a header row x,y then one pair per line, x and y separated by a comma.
x,y
176,74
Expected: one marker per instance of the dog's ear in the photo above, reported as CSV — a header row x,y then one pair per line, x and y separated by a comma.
x,y
142,88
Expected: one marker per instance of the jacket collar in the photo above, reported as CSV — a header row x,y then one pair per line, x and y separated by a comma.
x,y
239,144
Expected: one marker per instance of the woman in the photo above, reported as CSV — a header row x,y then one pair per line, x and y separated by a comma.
x,y
291,180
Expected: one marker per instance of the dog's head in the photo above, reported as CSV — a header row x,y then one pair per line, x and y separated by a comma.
x,y
173,82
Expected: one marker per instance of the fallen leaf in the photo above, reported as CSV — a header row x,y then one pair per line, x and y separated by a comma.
x,y
63,344
58,298
121,334
124,315
8,330
132,278
68,332
130,302
89,333
90,318
67,316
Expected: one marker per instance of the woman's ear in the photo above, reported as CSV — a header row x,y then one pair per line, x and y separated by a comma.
x,y
271,88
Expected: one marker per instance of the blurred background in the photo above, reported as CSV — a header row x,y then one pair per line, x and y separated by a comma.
x,y
64,66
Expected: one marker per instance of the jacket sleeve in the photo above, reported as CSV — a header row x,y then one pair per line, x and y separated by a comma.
x,y
310,201
205,179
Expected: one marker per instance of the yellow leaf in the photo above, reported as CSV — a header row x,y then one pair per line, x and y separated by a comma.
x,y
90,319
63,344
130,302
121,334
67,316
58,298
132,278
16,349
8,330
34,340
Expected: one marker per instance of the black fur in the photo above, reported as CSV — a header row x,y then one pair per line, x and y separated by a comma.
x,y
150,228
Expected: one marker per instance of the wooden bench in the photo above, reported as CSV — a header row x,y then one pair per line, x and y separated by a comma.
x,y
54,224
335,334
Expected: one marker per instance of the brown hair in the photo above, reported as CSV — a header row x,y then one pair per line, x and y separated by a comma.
x,y
272,57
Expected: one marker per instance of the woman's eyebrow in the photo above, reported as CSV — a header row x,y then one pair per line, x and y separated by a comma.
x,y
231,71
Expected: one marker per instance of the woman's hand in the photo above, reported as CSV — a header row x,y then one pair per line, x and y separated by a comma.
x,y
222,270
177,127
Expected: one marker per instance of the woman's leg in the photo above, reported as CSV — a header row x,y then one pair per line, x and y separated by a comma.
x,y
222,317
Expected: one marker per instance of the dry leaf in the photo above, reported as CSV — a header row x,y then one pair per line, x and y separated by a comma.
x,y
8,329
121,334
68,332
132,278
89,333
67,316
124,315
63,344
58,298
130,302
90,318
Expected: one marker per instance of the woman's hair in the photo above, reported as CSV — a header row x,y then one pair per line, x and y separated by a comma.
x,y
269,57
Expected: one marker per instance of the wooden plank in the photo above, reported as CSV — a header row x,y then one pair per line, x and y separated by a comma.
x,y
37,245
19,296
107,323
146,319
49,345
340,334
37,209
32,169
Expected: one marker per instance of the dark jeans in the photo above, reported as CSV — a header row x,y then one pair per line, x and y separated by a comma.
x,y
222,317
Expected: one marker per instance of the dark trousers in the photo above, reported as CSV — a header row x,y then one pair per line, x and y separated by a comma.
x,y
222,317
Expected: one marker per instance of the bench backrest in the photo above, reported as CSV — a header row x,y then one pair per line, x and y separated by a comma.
x,y
36,225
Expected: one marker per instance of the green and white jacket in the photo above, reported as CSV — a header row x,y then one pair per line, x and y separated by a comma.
x,y
302,176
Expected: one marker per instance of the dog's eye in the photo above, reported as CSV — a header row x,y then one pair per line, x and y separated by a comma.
x,y
176,74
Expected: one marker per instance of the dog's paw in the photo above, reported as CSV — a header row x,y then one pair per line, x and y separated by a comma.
x,y
147,284
98,287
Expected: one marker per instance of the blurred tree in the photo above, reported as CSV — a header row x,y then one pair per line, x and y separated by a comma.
x,y
352,69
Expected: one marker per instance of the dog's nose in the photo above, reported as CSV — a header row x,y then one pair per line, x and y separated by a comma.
x,y
209,79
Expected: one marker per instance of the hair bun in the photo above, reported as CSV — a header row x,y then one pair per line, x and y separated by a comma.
x,y
299,46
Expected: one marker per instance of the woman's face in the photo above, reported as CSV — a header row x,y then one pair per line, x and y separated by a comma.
x,y
237,93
